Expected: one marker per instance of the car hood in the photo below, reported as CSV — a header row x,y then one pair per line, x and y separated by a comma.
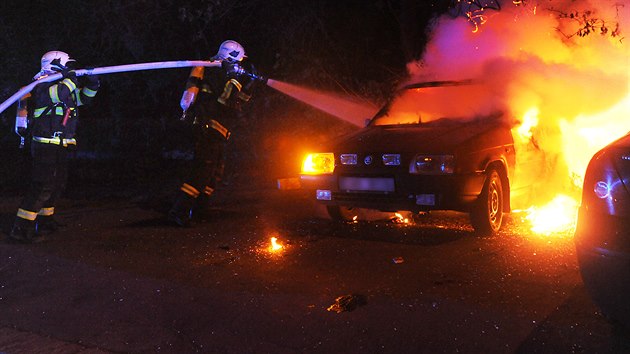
x,y
424,138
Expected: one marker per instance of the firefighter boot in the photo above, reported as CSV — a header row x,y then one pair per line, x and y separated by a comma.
x,y
45,225
180,213
23,231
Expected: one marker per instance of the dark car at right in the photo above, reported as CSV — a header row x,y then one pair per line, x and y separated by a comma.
x,y
602,236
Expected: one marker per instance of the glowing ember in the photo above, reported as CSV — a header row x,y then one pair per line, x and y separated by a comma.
x,y
399,219
275,246
557,217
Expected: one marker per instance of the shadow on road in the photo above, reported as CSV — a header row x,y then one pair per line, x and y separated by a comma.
x,y
379,231
553,334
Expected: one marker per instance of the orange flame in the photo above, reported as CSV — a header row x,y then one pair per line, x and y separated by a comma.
x,y
564,71
275,247
556,218
400,219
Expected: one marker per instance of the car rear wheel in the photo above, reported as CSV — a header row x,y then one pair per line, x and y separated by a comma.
x,y
486,215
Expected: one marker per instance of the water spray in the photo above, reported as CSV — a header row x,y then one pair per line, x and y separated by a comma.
x,y
350,111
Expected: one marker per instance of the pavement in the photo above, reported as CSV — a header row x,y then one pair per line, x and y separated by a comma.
x,y
120,279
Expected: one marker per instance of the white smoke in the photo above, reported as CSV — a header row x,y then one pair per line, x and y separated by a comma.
x,y
568,59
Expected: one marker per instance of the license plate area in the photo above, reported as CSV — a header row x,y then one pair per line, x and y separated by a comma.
x,y
367,184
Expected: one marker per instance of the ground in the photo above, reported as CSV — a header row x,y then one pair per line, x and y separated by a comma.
x,y
120,278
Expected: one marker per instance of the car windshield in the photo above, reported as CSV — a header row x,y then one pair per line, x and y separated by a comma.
x,y
435,103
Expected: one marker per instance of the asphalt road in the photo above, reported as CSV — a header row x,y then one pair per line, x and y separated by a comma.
x,y
119,279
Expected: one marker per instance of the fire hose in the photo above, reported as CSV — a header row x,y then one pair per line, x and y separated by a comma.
x,y
108,70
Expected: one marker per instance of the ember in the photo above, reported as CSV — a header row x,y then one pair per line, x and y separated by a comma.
x,y
399,219
275,246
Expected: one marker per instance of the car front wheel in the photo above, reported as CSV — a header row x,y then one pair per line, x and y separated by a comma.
x,y
486,215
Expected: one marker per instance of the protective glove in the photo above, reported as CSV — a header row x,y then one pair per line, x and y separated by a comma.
x,y
93,80
232,68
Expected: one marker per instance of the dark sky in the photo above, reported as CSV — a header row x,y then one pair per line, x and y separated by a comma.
x,y
351,47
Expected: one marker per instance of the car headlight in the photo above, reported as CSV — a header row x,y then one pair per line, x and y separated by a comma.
x,y
319,163
432,164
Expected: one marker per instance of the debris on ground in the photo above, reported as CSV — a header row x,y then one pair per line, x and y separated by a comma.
x,y
347,303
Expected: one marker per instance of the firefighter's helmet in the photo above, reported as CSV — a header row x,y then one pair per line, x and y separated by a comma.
x,y
231,50
50,64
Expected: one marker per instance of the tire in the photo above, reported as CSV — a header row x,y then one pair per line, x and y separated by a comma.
x,y
486,215
339,213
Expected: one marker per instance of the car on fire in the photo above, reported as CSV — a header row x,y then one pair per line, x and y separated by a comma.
x,y
602,236
434,146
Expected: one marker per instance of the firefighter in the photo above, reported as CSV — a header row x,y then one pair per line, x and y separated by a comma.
x,y
52,125
214,97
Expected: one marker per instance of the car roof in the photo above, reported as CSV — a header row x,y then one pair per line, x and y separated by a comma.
x,y
440,83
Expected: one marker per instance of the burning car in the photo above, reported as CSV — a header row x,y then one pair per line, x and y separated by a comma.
x,y
602,236
434,146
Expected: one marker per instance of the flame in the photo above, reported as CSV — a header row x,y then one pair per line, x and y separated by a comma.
x,y
562,69
557,217
275,247
530,120
400,219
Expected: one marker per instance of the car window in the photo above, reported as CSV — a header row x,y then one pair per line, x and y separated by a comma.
x,y
436,103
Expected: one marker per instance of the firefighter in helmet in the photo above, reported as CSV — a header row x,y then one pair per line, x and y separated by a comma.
x,y
52,126
213,96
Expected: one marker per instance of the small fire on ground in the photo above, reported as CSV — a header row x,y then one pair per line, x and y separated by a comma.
x,y
275,246
554,219
272,248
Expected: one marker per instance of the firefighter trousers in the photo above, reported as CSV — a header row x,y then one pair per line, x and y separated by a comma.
x,y
49,174
208,161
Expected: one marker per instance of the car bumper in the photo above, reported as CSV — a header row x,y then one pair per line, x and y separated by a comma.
x,y
604,257
392,193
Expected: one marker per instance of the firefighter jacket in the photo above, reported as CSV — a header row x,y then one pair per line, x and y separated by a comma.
x,y
54,106
221,92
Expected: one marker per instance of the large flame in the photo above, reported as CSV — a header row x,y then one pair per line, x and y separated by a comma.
x,y
560,70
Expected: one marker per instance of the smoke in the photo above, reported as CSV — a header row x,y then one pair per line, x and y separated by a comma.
x,y
567,60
